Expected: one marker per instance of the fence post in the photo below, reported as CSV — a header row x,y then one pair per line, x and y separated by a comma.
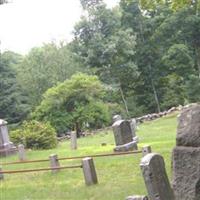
x,y
89,171
54,162
21,152
146,150
1,174
73,140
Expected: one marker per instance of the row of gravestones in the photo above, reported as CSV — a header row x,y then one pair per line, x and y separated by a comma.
x,y
185,162
186,157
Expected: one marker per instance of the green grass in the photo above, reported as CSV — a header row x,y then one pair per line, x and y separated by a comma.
x,y
118,176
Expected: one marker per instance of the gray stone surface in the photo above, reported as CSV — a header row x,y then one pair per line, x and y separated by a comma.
x,y
73,140
89,171
186,173
155,177
186,155
54,162
133,125
188,131
146,150
6,147
126,147
21,152
122,132
136,197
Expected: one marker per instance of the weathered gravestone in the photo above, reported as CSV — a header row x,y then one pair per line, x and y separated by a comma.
x,y
155,177
186,155
21,152
6,147
137,198
73,139
124,136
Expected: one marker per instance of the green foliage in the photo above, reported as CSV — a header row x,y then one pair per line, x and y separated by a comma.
x,y
74,103
35,135
43,68
13,101
193,89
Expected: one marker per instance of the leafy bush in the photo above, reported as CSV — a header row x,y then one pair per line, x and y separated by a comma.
x,y
35,135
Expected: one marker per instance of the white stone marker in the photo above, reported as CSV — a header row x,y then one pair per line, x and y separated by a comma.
x,y
21,152
146,150
155,177
89,171
73,140
137,198
54,162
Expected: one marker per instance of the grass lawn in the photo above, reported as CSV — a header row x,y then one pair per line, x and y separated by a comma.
x,y
118,176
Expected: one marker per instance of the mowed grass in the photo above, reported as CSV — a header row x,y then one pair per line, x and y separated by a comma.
x,y
119,176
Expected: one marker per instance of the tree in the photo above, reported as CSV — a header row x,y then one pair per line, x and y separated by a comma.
x,y
73,104
106,48
43,68
13,102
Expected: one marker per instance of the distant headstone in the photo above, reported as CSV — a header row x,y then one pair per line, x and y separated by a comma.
x,y
6,147
186,155
133,125
22,153
73,140
137,198
146,150
116,118
155,177
89,171
54,162
123,136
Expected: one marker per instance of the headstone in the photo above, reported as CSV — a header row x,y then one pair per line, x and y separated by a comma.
x,y
73,140
89,171
155,177
54,162
146,150
137,198
116,118
6,147
21,152
124,136
1,174
133,125
186,155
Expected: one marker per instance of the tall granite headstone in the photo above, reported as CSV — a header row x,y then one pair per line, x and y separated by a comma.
x,y
6,147
186,155
124,136
155,177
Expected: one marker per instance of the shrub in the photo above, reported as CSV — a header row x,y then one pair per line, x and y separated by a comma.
x,y
35,135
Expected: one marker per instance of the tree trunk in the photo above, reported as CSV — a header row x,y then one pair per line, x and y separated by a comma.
x,y
124,100
78,130
154,88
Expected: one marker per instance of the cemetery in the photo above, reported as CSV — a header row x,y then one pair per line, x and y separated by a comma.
x,y
86,169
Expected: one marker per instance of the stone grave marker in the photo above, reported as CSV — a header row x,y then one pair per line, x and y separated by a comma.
x,y
186,155
6,147
54,162
155,177
22,153
73,139
123,136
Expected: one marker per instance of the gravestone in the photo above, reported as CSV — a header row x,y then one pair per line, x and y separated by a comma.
x,y
6,147
116,118
186,155
155,177
123,135
21,152
73,139
137,198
